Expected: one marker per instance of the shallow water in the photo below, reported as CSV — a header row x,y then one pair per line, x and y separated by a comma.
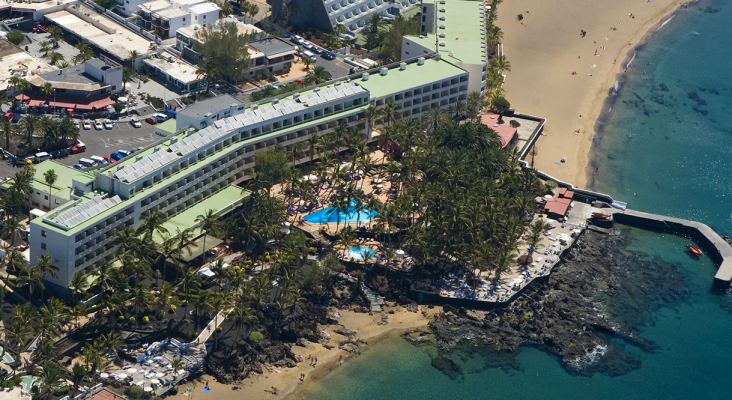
x,y
665,149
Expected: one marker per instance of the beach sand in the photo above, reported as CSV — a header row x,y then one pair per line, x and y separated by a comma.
x,y
544,50
288,381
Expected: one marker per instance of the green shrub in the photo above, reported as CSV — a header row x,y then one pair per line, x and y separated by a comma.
x,y
118,107
121,318
145,320
550,184
160,314
255,337
15,37
514,123
132,320
173,308
136,392
219,328
311,250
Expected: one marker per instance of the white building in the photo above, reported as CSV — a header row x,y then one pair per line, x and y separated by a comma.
x,y
184,175
165,18
174,71
455,29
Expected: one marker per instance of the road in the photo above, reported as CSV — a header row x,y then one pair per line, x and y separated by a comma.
x,y
337,67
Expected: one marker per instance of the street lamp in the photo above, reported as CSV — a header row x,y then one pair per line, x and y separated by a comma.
x,y
54,101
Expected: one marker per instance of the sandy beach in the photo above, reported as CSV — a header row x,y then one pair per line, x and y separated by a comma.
x,y
287,382
546,47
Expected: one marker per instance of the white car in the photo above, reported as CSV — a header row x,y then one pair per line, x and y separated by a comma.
x,y
87,124
136,123
98,125
307,45
76,124
108,124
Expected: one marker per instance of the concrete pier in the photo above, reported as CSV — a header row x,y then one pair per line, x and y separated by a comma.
x,y
718,248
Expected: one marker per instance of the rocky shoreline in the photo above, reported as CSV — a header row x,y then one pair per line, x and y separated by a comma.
x,y
595,301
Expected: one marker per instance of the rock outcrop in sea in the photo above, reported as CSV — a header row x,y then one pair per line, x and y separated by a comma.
x,y
599,297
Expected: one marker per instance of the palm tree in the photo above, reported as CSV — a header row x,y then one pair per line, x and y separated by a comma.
x,y
128,74
55,57
208,69
339,29
317,75
133,56
209,223
91,355
501,63
375,22
296,152
51,376
141,298
29,124
372,114
154,222
165,299
78,373
308,62
79,284
190,281
47,89
7,129
85,53
46,46
50,177
243,316
202,304
12,228
104,272
389,111
56,34
177,364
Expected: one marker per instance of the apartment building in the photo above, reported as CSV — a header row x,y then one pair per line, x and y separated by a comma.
x,y
455,29
165,18
326,14
194,170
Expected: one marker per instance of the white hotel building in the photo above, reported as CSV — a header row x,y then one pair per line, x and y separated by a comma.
x,y
192,171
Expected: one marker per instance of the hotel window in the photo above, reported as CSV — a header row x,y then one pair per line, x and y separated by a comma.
x,y
43,246
43,233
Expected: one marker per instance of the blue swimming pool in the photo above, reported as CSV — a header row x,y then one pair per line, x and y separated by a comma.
x,y
330,215
359,252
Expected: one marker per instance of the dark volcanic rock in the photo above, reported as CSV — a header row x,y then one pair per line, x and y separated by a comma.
x,y
596,293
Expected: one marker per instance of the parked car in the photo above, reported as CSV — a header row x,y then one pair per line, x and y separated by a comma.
x,y
76,124
8,115
328,55
108,124
307,45
318,49
288,34
98,125
109,159
123,153
297,39
15,118
151,120
78,166
116,156
87,124
99,160
87,162
60,153
77,149
136,123
161,117
42,156
309,54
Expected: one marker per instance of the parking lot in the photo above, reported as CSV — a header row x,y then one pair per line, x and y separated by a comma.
x,y
337,67
100,143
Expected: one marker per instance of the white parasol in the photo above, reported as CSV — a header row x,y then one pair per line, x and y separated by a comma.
x,y
155,381
131,371
122,376
148,389
159,375
400,252
104,375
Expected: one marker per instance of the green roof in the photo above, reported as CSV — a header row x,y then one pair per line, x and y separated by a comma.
x,y
217,202
167,126
174,177
464,35
64,175
397,81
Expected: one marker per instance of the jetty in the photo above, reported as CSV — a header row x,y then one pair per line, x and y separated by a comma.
x,y
718,248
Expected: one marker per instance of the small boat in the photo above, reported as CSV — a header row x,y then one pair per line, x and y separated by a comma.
x,y
694,249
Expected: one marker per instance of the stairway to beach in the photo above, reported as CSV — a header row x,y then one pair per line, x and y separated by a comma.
x,y
376,300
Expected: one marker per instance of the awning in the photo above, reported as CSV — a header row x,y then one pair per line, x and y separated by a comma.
x,y
98,104
36,103
22,97
281,54
61,104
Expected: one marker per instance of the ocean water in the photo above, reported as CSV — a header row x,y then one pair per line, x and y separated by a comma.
x,y
665,148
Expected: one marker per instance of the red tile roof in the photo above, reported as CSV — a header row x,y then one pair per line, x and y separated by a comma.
x,y
556,207
505,132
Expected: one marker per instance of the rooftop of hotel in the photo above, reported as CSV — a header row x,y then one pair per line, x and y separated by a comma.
x,y
156,5
464,31
172,13
414,76
390,83
200,108
243,29
115,39
62,186
273,47
177,69
204,8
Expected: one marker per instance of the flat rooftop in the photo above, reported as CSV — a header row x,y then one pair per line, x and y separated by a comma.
x,y
204,8
73,78
172,13
200,108
14,61
155,6
65,174
219,203
177,69
464,35
414,76
116,39
273,47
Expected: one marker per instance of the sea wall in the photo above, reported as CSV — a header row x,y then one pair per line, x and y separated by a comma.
x,y
719,250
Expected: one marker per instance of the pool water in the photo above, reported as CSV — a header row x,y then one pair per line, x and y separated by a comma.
x,y
329,214
359,251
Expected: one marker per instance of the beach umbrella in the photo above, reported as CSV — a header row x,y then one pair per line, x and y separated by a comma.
x,y
104,375
377,180
180,371
148,389
159,375
155,381
548,196
400,252
131,371
122,376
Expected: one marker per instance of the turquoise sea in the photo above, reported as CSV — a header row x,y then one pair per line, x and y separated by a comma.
x,y
665,148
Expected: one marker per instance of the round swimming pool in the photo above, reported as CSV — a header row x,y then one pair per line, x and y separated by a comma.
x,y
359,252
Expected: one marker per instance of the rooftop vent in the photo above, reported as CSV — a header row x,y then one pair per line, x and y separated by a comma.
x,y
420,61
383,71
443,9
365,76
442,26
138,158
275,101
442,17
157,148
402,66
337,84
443,43
438,56
173,140
316,90
255,106
442,35
119,167
449,53
296,96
